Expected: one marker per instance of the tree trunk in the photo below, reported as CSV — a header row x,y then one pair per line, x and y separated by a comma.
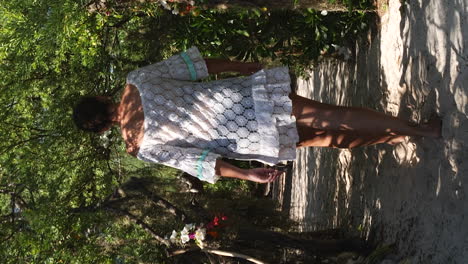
x,y
317,247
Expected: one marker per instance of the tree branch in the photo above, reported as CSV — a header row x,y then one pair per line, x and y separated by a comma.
x,y
159,201
109,203
111,206
233,254
8,237
139,222
12,216
138,184
25,128
216,252
14,145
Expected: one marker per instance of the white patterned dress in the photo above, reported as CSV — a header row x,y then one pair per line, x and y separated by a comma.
x,y
190,124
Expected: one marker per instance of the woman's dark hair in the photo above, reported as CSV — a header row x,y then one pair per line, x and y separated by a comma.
x,y
93,114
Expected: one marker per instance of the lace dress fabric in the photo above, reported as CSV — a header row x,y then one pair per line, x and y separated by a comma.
x,y
189,125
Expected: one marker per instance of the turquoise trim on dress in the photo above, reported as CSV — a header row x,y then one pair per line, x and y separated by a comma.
x,y
191,68
200,163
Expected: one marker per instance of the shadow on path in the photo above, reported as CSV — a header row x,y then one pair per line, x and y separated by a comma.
x,y
413,194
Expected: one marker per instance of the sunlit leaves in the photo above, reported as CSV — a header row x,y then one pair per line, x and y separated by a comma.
x,y
47,50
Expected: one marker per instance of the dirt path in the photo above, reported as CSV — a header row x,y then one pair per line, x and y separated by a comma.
x,y
414,194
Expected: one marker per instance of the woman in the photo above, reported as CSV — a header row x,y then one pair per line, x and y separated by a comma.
x,y
167,117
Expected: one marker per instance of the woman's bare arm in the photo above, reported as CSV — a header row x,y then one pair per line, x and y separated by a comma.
x,y
260,175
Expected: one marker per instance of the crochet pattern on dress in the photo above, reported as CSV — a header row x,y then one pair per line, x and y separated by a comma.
x,y
189,124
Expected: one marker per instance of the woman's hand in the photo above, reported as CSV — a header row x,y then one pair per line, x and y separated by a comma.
x,y
263,175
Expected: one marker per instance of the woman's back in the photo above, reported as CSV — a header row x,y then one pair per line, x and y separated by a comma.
x,y
132,119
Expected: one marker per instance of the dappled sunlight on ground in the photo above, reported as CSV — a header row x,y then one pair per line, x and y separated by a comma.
x,y
413,194
405,154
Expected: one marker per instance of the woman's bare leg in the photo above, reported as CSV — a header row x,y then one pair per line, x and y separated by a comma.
x,y
310,137
360,122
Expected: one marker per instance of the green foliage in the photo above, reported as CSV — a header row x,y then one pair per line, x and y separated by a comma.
x,y
54,177
291,37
